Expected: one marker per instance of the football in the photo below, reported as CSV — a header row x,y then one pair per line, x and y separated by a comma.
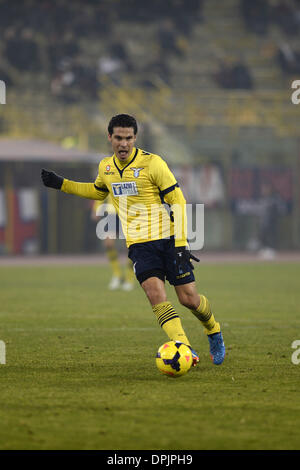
x,y
174,359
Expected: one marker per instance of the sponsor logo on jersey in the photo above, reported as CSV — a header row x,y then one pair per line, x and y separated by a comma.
x,y
136,171
124,189
108,172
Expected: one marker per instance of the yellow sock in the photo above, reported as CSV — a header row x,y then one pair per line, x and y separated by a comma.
x,y
170,322
129,274
204,314
112,255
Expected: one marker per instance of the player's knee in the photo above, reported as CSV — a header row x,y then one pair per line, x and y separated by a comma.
x,y
155,297
154,289
189,300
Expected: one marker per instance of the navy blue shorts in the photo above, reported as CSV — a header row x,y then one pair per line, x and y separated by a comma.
x,y
157,258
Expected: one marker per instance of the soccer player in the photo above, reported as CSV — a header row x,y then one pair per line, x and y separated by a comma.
x,y
118,280
140,183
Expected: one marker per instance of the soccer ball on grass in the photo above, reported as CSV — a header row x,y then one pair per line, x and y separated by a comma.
x,y
174,359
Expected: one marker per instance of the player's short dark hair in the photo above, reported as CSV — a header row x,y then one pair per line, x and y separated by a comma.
x,y
122,120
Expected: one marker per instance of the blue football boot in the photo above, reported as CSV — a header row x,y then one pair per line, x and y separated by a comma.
x,y
216,348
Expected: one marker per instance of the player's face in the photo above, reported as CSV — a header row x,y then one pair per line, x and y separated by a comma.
x,y
122,140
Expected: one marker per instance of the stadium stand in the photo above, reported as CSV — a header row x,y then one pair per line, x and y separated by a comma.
x,y
211,82
65,53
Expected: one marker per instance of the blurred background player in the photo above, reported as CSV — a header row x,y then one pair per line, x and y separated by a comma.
x,y
119,279
270,208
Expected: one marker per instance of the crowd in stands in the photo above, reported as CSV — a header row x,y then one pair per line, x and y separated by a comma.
x,y
233,75
289,59
47,35
259,15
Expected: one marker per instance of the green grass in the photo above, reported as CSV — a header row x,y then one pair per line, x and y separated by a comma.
x,y
80,371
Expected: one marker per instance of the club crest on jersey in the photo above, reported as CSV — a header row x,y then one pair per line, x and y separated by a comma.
x,y
125,189
136,171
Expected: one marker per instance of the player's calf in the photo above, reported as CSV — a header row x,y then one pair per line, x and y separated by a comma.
x,y
188,296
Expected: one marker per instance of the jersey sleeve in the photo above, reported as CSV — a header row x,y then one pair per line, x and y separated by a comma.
x,y
177,202
99,183
170,193
96,190
161,175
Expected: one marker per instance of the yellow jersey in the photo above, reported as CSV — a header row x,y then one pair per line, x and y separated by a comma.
x,y
139,187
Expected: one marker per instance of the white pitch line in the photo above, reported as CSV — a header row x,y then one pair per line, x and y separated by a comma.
x,y
87,329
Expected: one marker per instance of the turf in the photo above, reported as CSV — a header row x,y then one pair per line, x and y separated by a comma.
x,y
80,371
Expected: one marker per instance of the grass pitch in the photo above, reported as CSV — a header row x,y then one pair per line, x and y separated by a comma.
x,y
80,371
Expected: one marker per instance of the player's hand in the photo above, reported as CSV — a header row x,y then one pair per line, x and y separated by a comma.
x,y
183,258
51,179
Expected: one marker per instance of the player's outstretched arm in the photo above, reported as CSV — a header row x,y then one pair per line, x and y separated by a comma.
x,y
86,190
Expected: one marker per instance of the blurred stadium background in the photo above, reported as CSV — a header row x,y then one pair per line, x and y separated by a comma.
x,y
209,83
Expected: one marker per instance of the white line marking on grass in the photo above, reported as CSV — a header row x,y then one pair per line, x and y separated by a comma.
x,y
2,352
78,329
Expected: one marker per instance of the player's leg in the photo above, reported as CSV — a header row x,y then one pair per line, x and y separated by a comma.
x,y
164,311
182,278
199,305
128,277
128,283
149,268
112,255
